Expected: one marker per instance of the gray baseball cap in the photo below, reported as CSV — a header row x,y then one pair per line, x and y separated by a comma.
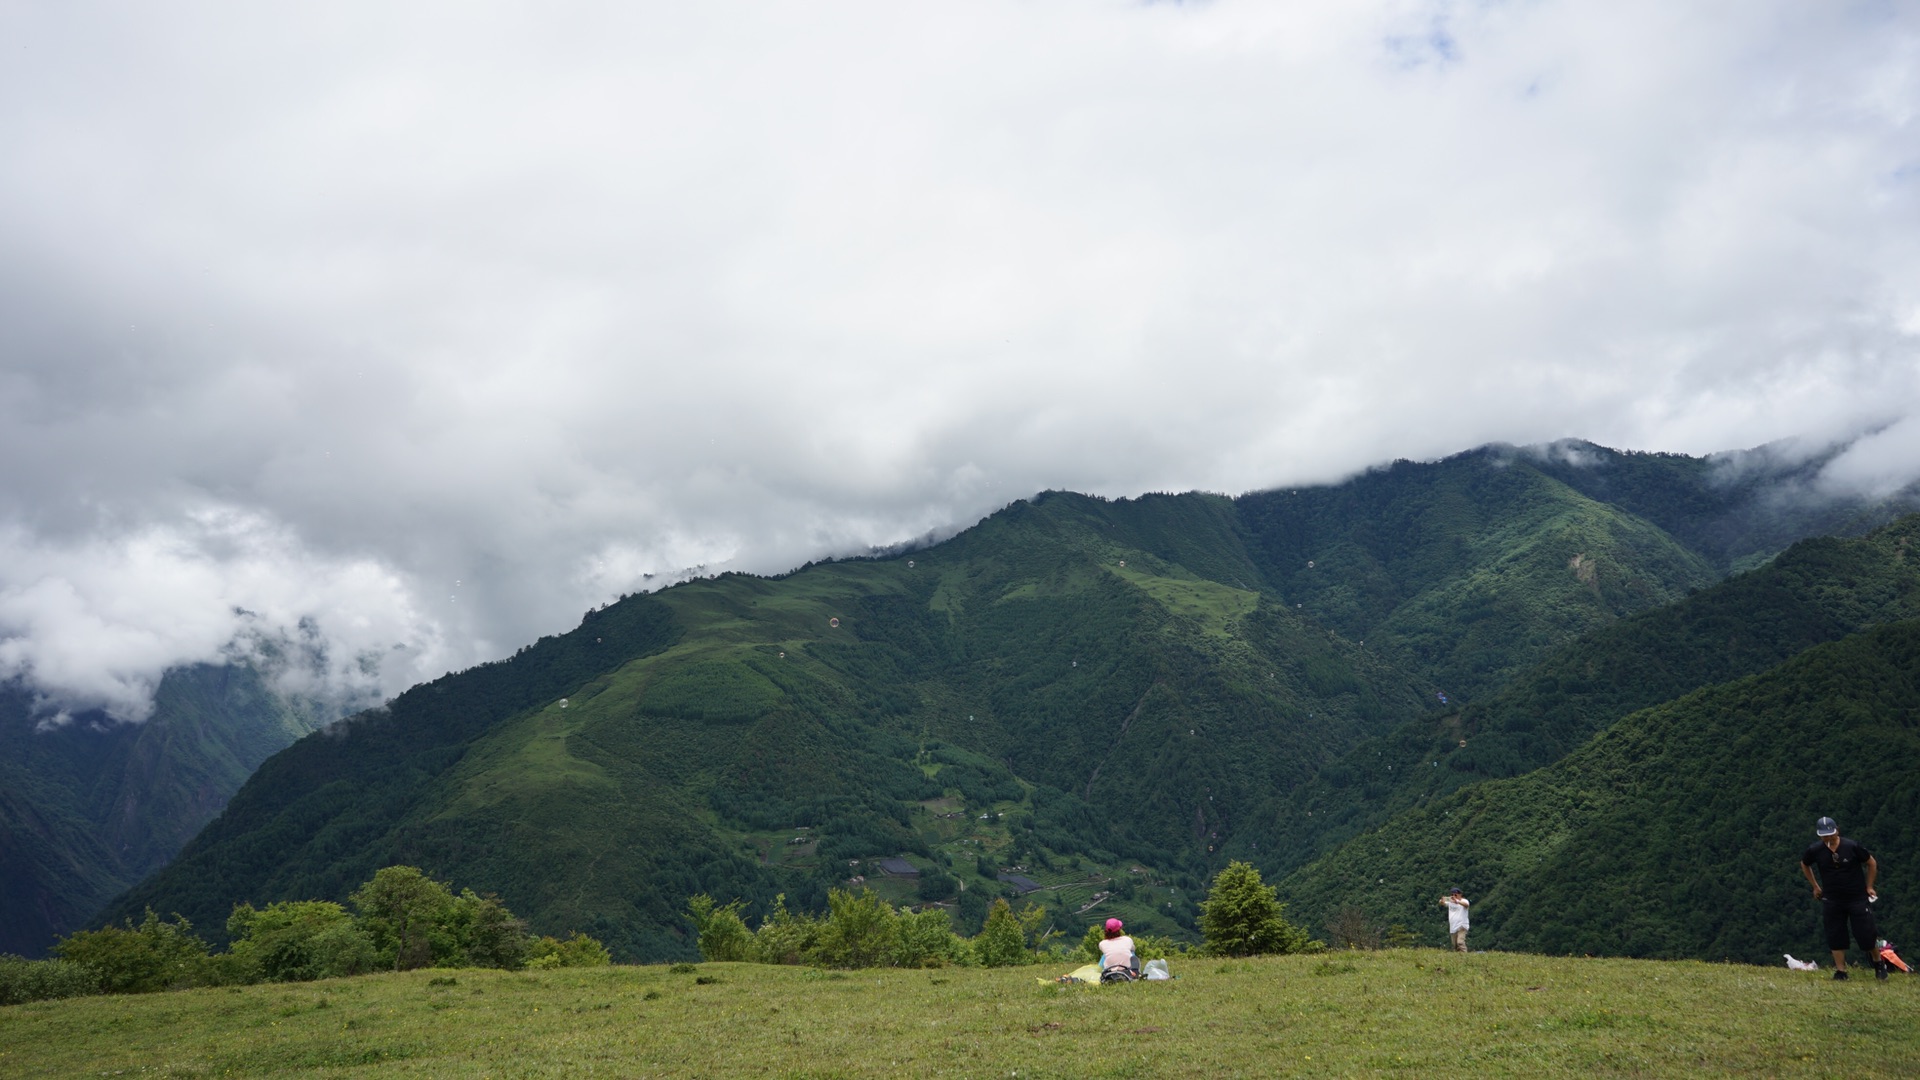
x,y
1825,827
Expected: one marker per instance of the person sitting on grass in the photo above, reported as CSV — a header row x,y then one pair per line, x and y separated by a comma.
x,y
1117,955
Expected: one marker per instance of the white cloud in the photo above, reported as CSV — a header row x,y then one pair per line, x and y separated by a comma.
x,y
93,623
542,299
1880,462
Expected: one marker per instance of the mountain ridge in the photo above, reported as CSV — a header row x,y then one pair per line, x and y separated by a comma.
x,y
1105,693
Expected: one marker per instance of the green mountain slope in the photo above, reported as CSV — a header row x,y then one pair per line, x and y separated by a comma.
x,y
91,807
1108,696
1467,570
1818,591
1108,705
1677,831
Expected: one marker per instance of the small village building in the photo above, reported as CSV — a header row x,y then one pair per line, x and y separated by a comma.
x,y
1021,883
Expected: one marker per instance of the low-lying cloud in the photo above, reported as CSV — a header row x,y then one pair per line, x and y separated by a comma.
x,y
92,623
433,326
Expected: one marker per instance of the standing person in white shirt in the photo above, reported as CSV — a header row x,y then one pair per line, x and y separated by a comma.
x,y
1456,906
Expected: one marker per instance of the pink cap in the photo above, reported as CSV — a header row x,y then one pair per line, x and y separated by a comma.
x,y
1113,924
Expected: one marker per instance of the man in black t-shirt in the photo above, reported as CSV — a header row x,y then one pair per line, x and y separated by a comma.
x,y
1845,888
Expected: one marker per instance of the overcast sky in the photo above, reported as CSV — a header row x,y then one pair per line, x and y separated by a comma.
x,y
437,324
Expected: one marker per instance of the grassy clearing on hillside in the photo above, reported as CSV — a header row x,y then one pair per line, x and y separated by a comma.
x,y
1422,1011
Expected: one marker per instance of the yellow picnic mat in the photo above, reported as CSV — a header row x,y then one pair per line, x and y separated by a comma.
x,y
1087,974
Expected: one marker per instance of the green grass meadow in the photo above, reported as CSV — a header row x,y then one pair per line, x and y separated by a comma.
x,y
1417,1012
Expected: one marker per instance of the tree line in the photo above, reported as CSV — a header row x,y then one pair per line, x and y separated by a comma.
x,y
1241,916
400,919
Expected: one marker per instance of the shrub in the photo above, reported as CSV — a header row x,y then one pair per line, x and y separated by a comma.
x,y
22,981
861,930
155,955
228,969
485,933
578,950
1351,929
970,910
1241,916
414,921
924,939
785,938
295,940
936,884
342,949
1089,948
1002,941
722,934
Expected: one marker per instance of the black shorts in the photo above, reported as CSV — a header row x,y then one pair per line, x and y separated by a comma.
x,y
1842,915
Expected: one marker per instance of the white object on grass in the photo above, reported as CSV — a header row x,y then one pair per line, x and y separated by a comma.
x,y
1800,965
1156,970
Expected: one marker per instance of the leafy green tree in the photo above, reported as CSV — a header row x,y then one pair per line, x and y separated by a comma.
x,y
784,937
297,940
403,908
1002,941
970,910
924,939
578,950
156,955
1241,916
721,932
487,934
936,884
861,930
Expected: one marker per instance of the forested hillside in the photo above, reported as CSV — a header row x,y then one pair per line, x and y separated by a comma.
x,y
1818,591
1467,570
1086,702
1472,569
1677,831
1733,509
1098,702
90,807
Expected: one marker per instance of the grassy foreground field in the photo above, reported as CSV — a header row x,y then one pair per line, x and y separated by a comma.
x,y
1425,1012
